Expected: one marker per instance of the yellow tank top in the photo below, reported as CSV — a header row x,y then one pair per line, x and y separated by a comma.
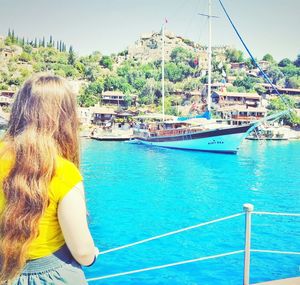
x,y
50,237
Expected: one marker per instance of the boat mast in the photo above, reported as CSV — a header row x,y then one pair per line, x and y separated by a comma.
x,y
163,71
209,54
209,58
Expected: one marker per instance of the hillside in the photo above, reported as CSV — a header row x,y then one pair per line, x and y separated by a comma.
x,y
137,70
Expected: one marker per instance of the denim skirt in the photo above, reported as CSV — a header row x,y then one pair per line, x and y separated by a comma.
x,y
56,269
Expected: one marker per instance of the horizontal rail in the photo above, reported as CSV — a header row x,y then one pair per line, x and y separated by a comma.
x,y
165,265
171,233
277,214
275,251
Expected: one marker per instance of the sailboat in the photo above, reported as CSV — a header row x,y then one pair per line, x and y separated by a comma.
x,y
209,135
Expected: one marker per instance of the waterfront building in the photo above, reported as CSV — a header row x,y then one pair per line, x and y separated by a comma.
x,y
238,108
102,115
240,114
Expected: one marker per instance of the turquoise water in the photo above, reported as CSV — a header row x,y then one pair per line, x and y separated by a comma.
x,y
135,192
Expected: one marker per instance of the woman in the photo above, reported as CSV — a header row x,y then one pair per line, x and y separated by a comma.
x,y
44,236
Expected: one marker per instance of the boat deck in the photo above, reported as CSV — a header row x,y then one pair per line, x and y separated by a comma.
x,y
287,281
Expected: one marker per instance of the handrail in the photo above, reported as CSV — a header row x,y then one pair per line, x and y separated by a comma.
x,y
165,265
275,251
277,214
172,233
248,211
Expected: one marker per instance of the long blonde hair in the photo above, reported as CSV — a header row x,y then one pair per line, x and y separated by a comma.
x,y
43,124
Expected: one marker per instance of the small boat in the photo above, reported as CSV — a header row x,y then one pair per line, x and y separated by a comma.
x,y
112,135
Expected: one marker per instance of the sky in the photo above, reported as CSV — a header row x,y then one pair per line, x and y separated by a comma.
x,y
110,26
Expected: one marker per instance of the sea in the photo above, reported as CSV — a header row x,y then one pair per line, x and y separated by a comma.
x,y
135,192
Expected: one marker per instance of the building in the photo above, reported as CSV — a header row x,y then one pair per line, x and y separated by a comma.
x,y
238,65
240,114
282,90
116,98
238,108
264,64
224,98
6,97
102,116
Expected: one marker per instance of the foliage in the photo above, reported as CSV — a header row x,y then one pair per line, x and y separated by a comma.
x,y
89,95
268,57
293,82
274,73
181,55
297,61
285,62
247,82
71,56
234,55
106,62
278,104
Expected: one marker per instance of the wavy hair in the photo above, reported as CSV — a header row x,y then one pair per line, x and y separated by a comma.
x,y
43,124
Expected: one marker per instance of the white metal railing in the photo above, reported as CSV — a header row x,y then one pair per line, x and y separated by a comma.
x,y
248,211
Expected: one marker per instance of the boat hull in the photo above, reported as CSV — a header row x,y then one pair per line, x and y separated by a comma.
x,y
226,140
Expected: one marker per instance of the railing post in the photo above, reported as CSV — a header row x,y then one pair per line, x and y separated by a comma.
x,y
248,208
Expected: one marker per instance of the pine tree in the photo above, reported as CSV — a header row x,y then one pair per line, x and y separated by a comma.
x,y
57,45
13,36
35,43
71,57
9,33
23,42
43,42
51,41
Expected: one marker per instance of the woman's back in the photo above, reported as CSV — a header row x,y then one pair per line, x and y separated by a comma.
x,y
42,202
50,237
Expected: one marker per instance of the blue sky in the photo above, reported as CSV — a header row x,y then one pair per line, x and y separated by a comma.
x,y
111,25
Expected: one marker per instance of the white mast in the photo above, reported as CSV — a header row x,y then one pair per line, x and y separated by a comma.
x,y
209,53
163,71
209,58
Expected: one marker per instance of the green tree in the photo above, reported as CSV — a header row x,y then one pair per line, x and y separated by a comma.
x,y
25,57
268,57
27,49
181,55
247,82
292,82
277,104
274,73
297,61
234,55
71,56
285,62
89,95
173,72
106,62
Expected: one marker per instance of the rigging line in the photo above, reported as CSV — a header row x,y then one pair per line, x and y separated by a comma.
x,y
192,18
179,8
252,57
166,265
204,27
172,233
